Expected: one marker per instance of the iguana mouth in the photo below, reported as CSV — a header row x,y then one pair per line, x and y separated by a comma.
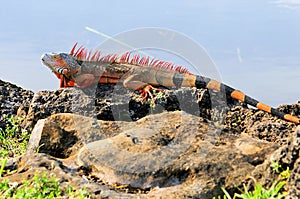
x,y
46,59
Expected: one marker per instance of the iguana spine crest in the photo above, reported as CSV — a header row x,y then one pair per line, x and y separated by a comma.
x,y
88,55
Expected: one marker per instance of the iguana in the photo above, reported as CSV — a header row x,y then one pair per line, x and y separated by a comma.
x,y
83,68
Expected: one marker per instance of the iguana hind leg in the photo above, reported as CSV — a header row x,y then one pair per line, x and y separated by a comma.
x,y
145,89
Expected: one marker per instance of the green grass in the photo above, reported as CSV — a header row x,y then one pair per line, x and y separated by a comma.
x,y
259,192
283,173
13,139
39,187
156,96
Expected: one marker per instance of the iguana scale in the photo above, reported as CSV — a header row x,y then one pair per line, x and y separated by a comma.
x,y
83,68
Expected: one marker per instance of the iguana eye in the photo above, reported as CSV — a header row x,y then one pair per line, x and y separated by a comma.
x,y
63,55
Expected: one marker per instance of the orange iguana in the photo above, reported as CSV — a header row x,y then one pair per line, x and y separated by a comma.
x,y
83,68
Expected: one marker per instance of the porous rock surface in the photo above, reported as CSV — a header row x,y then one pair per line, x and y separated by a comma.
x,y
188,146
13,100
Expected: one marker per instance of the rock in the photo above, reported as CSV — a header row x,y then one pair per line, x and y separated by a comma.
x,y
62,135
260,124
38,163
12,100
114,103
106,139
289,156
168,155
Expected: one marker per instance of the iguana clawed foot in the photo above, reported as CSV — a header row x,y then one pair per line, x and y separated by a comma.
x,y
148,91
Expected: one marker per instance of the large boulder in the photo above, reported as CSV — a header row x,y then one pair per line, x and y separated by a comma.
x,y
169,155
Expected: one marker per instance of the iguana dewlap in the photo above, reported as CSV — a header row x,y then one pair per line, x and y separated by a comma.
x,y
83,68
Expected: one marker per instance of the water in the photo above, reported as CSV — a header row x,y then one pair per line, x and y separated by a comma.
x,y
255,45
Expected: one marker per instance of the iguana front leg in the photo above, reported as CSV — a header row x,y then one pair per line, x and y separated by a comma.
x,y
85,80
63,81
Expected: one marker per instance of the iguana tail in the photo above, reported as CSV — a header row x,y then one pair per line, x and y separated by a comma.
x,y
203,82
186,80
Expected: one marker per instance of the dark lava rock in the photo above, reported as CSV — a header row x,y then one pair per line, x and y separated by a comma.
x,y
109,102
13,101
260,124
288,156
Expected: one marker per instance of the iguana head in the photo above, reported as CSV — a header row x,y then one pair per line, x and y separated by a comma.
x,y
64,66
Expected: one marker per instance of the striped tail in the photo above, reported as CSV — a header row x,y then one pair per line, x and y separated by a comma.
x,y
204,82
